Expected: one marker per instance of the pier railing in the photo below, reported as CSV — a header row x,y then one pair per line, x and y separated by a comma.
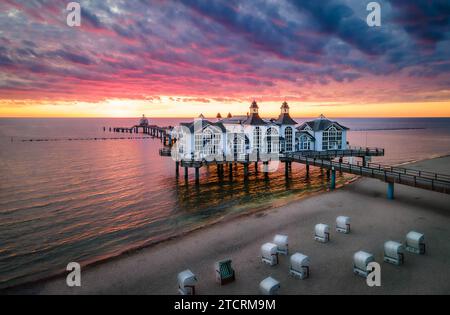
x,y
410,177
409,171
356,152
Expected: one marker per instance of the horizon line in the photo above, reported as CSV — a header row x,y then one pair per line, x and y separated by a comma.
x,y
186,117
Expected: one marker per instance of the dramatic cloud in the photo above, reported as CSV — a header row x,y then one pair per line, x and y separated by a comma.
x,y
201,51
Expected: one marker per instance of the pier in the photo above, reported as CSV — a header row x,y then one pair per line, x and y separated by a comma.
x,y
332,161
162,133
329,160
247,160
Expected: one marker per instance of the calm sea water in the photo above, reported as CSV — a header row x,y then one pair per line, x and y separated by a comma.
x,y
87,200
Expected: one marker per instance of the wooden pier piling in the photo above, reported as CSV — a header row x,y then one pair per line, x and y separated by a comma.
x,y
197,175
390,191
333,179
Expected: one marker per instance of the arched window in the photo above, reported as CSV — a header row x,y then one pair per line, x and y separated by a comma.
x,y
208,142
208,147
305,143
332,139
288,138
238,143
271,141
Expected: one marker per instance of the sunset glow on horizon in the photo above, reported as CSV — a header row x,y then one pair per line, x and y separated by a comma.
x,y
183,58
133,108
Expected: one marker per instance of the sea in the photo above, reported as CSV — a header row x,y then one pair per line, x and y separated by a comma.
x,y
71,191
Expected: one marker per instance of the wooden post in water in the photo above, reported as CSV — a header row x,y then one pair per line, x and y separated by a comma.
x,y
266,169
333,179
197,175
186,173
177,168
245,171
218,170
390,191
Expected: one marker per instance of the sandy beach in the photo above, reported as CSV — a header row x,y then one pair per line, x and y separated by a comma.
x,y
375,219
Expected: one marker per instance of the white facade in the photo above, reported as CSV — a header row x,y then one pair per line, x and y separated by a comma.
x,y
235,138
321,134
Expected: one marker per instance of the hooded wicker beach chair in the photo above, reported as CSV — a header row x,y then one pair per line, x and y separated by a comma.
x,y
224,272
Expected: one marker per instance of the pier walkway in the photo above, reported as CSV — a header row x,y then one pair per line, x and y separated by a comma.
x,y
390,174
162,133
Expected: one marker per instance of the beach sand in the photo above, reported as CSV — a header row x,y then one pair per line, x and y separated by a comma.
x,y
375,219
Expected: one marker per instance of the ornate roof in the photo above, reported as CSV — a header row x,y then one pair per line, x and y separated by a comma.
x,y
203,123
285,119
321,123
254,105
254,120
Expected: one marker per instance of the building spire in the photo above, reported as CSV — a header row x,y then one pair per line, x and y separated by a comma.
x,y
284,108
254,108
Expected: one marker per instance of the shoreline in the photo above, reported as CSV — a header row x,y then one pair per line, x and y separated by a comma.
x,y
179,238
206,225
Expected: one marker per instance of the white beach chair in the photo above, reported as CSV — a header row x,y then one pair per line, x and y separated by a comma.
x,y
299,266
361,260
282,244
393,253
269,254
415,243
269,286
322,233
186,282
343,224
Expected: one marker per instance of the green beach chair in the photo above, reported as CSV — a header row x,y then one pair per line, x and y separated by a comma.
x,y
224,272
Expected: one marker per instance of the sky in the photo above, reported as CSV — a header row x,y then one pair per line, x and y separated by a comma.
x,y
181,58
